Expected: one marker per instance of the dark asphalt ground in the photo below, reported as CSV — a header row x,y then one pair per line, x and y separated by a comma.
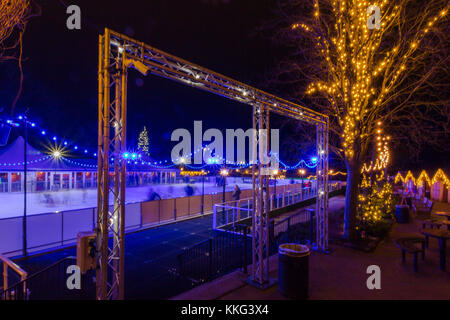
x,y
150,255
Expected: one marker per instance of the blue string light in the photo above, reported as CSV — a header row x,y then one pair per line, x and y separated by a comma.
x,y
42,131
156,164
23,163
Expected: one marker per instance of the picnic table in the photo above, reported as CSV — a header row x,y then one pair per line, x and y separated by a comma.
x,y
442,236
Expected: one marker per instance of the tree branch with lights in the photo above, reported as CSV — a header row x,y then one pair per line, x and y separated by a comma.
x,y
14,16
360,76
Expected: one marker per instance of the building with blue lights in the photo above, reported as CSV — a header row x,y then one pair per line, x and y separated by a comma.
x,y
45,172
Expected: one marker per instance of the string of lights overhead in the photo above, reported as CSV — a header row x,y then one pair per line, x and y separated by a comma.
x,y
66,146
423,177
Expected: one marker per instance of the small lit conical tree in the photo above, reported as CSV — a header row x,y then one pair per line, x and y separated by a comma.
x,y
359,72
143,143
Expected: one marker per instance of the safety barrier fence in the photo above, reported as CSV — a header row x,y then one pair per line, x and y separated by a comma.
x,y
205,261
51,230
230,248
12,273
211,258
51,284
232,212
297,228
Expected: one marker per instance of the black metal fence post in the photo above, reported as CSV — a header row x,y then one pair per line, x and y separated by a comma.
x,y
288,227
210,262
180,265
245,250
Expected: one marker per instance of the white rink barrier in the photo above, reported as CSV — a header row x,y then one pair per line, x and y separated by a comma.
x,y
56,229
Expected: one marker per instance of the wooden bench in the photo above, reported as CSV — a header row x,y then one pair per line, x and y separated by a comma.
x,y
408,244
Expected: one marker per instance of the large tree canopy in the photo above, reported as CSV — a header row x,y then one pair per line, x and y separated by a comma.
x,y
359,76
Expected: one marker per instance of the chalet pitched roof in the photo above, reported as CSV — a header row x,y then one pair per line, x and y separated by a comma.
x,y
12,159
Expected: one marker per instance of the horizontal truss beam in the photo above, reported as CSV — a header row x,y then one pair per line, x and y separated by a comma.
x,y
168,66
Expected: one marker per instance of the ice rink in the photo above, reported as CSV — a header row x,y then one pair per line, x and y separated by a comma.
x,y
46,202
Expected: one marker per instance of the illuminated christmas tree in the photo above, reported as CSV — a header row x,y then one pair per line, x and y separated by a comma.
x,y
143,143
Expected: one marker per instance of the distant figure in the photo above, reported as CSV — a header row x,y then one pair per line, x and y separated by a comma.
x,y
152,195
66,197
84,194
49,199
236,193
189,190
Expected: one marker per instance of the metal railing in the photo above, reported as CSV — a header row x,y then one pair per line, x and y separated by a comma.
x,y
231,248
216,256
9,265
232,212
51,284
62,226
297,228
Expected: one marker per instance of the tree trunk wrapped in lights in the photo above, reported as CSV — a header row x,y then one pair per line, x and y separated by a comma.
x,y
359,75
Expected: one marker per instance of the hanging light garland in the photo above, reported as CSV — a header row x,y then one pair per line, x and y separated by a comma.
x,y
423,177
162,164
382,151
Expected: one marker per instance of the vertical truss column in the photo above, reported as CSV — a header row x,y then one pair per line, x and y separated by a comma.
x,y
112,142
322,188
260,192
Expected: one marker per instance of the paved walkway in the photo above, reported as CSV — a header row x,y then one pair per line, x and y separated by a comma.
x,y
342,274
151,256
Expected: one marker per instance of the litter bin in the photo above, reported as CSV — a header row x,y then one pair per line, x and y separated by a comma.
x,y
402,213
293,270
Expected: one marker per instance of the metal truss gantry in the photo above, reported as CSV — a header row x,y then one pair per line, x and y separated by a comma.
x,y
322,188
112,108
260,193
117,53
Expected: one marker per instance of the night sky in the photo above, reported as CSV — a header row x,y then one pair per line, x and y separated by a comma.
x,y
60,87
60,68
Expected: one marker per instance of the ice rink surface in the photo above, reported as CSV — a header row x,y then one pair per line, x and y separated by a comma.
x,y
11,204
